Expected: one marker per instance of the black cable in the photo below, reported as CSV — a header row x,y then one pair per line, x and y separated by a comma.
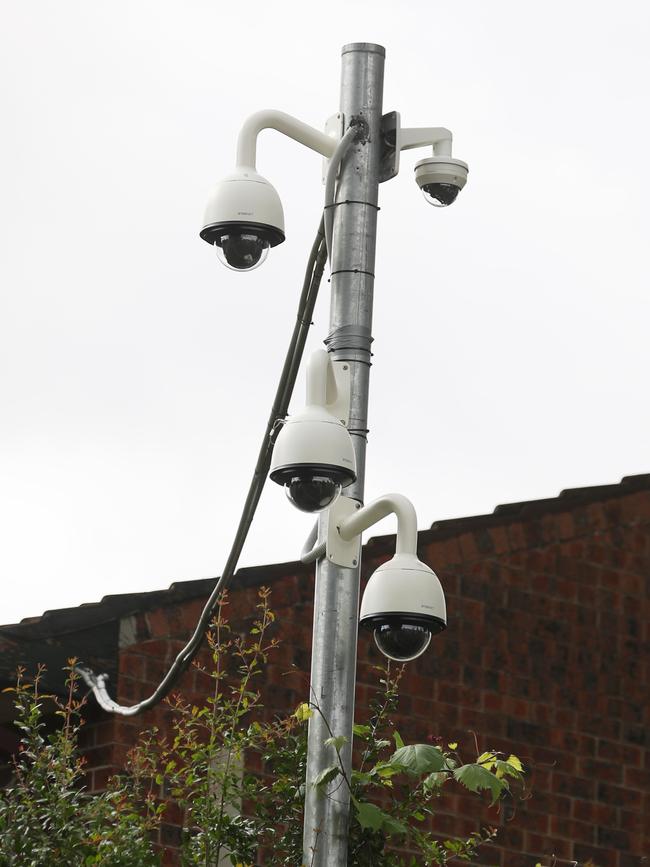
x,y
306,304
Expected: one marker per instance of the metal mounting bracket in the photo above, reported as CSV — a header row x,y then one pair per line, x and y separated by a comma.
x,y
390,148
347,554
338,390
333,128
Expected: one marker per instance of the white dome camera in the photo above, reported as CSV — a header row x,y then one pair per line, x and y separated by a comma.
x,y
403,602
243,219
313,456
404,605
441,178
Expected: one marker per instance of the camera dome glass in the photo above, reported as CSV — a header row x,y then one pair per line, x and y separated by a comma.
x,y
440,195
242,251
402,641
312,493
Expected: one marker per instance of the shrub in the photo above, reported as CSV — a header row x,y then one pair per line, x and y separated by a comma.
x,y
47,818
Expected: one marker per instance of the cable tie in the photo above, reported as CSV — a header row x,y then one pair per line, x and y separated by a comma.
x,y
352,271
351,202
277,424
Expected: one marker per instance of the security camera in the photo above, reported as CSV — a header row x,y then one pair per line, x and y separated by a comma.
x,y
313,458
243,219
441,178
403,602
404,605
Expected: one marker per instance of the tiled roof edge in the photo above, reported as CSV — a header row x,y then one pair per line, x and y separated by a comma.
x,y
113,607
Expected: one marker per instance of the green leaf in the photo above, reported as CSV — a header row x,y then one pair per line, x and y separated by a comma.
x,y
369,815
399,743
476,777
385,770
303,712
454,846
336,742
393,826
326,776
516,763
419,758
433,781
362,731
506,769
361,777
487,760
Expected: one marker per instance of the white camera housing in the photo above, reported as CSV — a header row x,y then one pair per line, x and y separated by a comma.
x,y
441,178
313,456
243,219
404,605
403,602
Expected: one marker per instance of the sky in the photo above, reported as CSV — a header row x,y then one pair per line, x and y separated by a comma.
x,y
511,350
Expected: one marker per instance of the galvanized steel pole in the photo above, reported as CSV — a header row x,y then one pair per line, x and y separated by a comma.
x,y
336,605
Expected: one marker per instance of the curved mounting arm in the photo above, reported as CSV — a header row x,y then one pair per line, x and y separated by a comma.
x,y
407,532
398,138
438,137
290,126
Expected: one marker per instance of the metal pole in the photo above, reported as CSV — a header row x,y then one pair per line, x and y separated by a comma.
x,y
336,604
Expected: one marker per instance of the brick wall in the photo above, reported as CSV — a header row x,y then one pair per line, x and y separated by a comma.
x,y
546,655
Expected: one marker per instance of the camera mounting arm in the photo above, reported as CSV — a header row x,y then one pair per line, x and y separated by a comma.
x,y
347,519
389,504
290,126
436,136
398,138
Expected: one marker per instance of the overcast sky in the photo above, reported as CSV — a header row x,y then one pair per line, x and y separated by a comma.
x,y
136,373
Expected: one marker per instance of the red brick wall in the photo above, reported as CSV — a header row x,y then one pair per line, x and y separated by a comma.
x,y
546,655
